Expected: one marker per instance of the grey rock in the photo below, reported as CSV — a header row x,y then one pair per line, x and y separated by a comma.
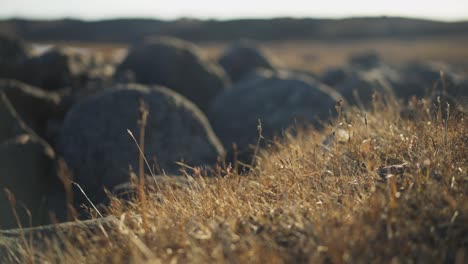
x,y
241,58
366,60
177,65
99,150
26,163
12,51
358,85
424,79
56,69
25,168
34,105
279,99
361,86
335,76
10,123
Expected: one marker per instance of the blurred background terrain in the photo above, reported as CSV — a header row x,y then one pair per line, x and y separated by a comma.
x,y
303,44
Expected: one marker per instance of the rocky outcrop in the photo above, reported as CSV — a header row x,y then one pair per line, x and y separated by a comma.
x,y
365,60
357,85
34,105
12,53
26,163
425,79
177,65
242,58
56,69
279,100
99,150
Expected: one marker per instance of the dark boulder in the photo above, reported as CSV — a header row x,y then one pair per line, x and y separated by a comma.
x,y
358,86
26,164
25,169
242,58
12,53
425,79
280,100
335,76
56,69
99,150
12,50
34,105
461,92
175,64
365,60
364,75
10,123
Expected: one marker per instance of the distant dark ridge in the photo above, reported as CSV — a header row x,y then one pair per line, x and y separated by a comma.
x,y
130,30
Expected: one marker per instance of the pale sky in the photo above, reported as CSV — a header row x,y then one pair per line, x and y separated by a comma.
x,y
448,10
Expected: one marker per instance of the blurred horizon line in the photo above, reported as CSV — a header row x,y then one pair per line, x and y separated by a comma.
x,y
181,18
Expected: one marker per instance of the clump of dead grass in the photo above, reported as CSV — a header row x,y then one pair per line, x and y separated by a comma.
x,y
306,202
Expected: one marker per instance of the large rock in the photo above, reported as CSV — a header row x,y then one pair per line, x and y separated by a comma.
x,y
242,58
34,105
365,75
365,60
359,81
12,50
99,150
280,100
461,92
424,79
335,76
359,89
26,164
25,169
10,123
12,53
56,69
358,85
178,65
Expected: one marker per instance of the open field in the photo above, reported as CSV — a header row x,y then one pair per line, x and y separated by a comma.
x,y
316,56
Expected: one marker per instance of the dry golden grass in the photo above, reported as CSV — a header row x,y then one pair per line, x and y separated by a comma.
x,y
304,203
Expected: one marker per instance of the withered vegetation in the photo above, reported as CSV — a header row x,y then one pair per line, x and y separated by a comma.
x,y
304,201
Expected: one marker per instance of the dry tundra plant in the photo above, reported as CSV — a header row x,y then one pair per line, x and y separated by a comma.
x,y
384,189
